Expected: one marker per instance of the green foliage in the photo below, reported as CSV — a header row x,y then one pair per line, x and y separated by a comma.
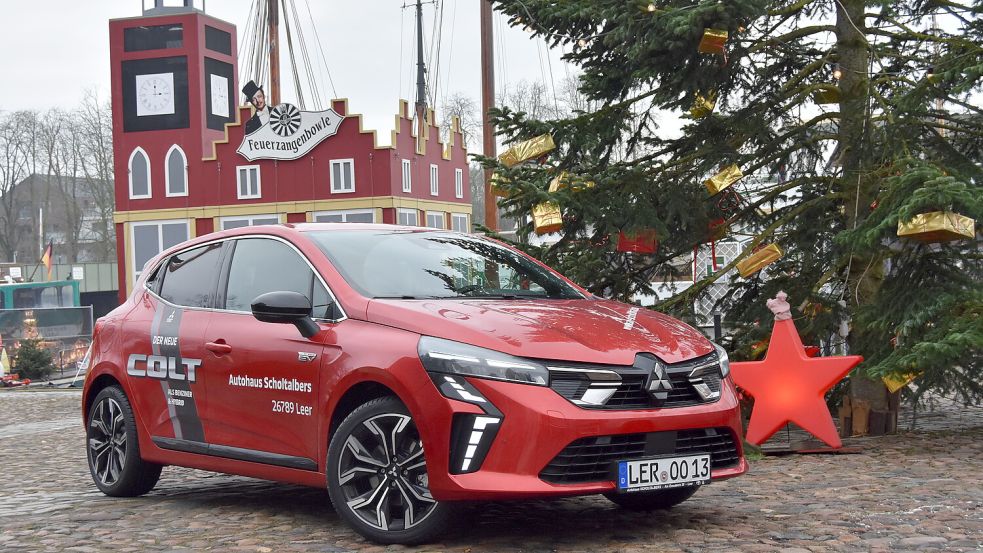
x,y
33,360
828,183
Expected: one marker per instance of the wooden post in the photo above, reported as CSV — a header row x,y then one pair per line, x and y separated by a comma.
x,y
487,101
274,29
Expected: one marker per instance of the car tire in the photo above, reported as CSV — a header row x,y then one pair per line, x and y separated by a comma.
x,y
113,448
656,499
377,476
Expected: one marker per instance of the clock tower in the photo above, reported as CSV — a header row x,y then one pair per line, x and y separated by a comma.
x,y
173,90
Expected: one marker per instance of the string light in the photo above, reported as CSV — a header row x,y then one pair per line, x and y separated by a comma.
x,y
582,43
651,8
837,72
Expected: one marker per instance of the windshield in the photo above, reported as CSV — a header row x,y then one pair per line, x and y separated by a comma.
x,y
422,265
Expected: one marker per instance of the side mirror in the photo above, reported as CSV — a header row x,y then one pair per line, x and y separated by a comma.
x,y
286,308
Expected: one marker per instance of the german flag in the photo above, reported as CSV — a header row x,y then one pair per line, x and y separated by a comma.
x,y
46,259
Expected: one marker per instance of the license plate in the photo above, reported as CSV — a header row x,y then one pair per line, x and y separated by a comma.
x,y
663,472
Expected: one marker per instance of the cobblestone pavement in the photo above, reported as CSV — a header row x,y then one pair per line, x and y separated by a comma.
x,y
918,490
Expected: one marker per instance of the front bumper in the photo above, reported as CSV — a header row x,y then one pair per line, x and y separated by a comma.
x,y
538,424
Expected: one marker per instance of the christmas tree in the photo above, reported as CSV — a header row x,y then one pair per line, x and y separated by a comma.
x,y
32,360
850,121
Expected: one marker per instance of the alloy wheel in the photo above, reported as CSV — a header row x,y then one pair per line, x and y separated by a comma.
x,y
107,441
383,475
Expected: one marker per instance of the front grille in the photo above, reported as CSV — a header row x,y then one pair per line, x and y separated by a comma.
x,y
593,459
631,393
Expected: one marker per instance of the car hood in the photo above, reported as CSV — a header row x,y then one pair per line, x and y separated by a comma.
x,y
590,331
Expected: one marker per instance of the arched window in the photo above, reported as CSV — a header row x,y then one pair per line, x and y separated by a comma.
x,y
176,172
139,167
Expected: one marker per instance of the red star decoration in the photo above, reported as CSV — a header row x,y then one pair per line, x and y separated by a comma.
x,y
789,386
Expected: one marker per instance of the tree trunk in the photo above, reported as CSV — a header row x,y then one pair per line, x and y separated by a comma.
x,y
872,412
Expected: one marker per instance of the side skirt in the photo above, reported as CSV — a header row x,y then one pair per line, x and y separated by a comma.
x,y
237,453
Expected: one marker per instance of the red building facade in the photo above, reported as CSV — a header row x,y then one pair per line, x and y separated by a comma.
x,y
177,126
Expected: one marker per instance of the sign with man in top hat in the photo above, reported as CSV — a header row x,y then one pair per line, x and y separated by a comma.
x,y
255,96
283,132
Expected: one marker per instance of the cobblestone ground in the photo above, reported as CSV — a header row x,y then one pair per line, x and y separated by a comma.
x,y
917,490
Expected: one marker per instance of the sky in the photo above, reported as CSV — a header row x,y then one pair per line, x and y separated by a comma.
x,y
59,49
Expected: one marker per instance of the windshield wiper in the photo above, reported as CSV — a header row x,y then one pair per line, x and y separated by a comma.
x,y
406,297
486,296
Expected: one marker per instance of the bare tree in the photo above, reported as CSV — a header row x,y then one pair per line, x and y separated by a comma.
x,y
16,160
60,162
96,122
466,110
62,143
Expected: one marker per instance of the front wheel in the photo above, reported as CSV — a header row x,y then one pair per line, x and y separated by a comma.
x,y
112,448
377,476
656,499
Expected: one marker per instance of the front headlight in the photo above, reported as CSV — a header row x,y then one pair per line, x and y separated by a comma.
x,y
724,360
445,356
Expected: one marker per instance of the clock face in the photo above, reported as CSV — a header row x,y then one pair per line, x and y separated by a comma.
x,y
155,94
220,96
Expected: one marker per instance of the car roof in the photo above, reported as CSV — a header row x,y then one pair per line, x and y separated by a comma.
x,y
287,230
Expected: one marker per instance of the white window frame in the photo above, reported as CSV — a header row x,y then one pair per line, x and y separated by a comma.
x,y
129,172
434,180
259,182
458,183
415,212
407,166
467,226
138,271
443,217
334,187
167,173
248,218
344,213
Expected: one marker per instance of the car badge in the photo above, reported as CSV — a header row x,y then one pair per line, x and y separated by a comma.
x,y
696,380
305,357
630,320
659,384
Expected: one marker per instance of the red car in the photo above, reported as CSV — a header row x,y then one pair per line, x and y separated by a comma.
x,y
405,369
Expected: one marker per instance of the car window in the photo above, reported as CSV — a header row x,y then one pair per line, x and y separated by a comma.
x,y
189,277
410,264
262,265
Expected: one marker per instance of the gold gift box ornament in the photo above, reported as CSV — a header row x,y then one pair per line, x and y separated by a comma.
x,y
938,226
562,181
759,260
713,41
726,177
547,218
527,149
703,105
896,382
496,182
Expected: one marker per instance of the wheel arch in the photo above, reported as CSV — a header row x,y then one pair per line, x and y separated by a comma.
x,y
100,383
356,395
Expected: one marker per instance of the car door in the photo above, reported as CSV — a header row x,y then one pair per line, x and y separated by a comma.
x,y
262,378
164,352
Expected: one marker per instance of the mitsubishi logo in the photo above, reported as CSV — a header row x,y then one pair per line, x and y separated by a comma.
x,y
659,384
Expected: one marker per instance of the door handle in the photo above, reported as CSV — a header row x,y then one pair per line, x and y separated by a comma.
x,y
218,347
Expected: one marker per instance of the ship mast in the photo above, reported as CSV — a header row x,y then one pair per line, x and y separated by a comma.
x,y
421,72
273,22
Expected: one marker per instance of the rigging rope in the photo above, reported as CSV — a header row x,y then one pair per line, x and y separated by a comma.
x,y
324,58
293,59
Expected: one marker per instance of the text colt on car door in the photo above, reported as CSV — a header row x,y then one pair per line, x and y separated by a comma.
x,y
262,378
167,357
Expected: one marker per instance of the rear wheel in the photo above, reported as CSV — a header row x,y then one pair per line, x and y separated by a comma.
x,y
377,476
112,448
656,499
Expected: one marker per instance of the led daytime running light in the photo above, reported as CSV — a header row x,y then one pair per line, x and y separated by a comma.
x,y
448,357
